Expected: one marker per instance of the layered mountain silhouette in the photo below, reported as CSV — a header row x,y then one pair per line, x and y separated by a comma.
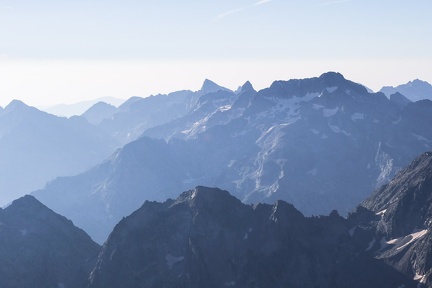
x,y
99,112
36,147
414,90
39,248
208,238
321,143
76,109
138,114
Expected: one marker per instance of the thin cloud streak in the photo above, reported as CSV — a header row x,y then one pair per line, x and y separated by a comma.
x,y
261,2
222,15
334,2
231,12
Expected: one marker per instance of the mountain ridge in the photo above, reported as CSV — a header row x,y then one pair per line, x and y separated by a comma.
x,y
308,142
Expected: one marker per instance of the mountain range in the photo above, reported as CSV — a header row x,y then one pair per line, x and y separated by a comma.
x,y
413,90
36,147
76,109
321,143
208,238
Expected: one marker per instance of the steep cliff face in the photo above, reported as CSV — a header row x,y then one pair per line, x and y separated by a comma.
x,y
396,221
39,248
207,238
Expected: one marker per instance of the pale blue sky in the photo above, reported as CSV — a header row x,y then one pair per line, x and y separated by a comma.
x,y
68,51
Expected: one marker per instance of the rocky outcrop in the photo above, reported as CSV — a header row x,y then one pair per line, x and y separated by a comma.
x,y
396,221
39,248
207,238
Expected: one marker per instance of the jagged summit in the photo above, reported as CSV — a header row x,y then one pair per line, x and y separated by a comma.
x,y
217,241
414,90
332,77
25,202
247,86
209,198
326,83
210,87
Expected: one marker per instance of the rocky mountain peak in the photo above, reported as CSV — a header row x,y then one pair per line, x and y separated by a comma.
x,y
26,203
40,248
413,90
16,105
332,77
247,86
210,199
399,99
210,87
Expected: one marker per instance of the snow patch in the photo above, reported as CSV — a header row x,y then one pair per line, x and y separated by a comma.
x,y
420,138
336,129
224,108
414,237
352,231
231,163
384,243
171,260
397,121
392,241
420,278
381,213
357,116
371,244
317,107
312,172
330,112
331,89
314,131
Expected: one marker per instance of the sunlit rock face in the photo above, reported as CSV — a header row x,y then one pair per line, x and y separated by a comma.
x,y
394,223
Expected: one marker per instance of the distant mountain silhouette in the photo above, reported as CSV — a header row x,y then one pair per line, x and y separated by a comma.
x,y
99,112
320,143
36,147
414,90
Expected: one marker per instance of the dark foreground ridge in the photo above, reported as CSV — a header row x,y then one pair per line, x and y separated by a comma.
x,y
396,221
39,248
208,238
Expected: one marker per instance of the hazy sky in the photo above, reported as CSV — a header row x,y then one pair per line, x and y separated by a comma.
x,y
67,51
